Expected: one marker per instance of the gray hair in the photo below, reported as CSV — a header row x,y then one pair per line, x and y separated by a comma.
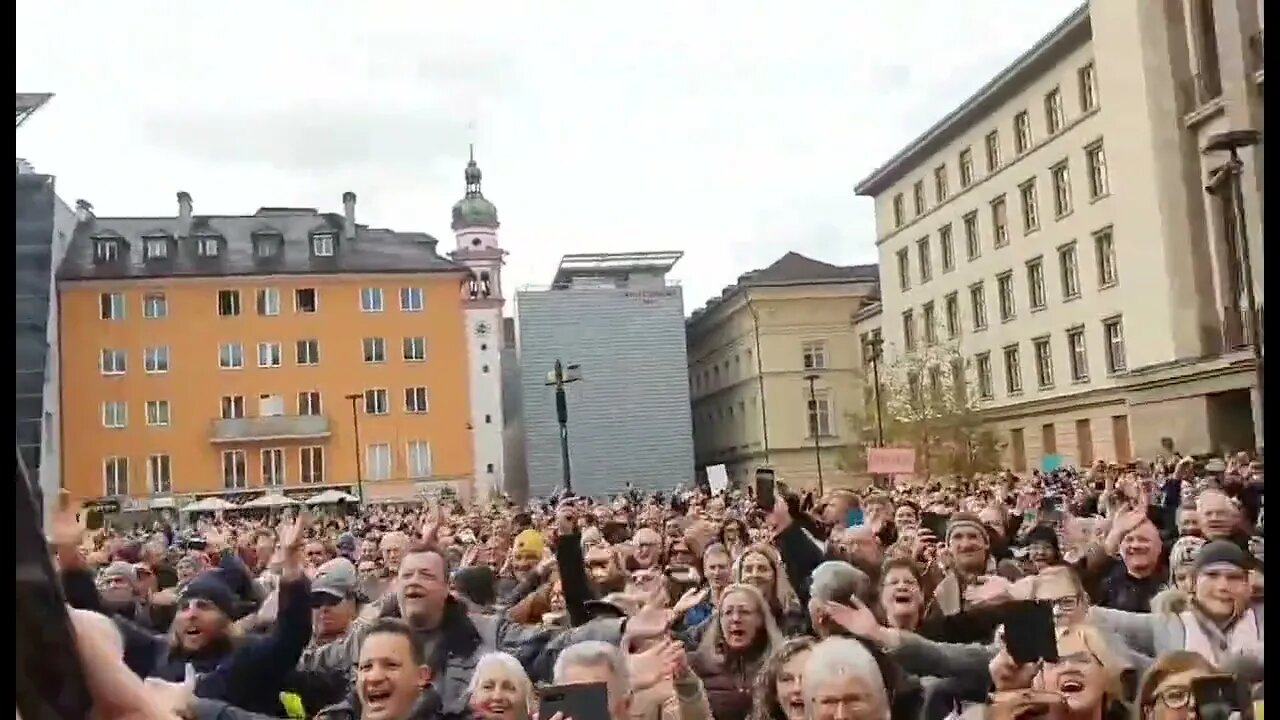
x,y
596,654
510,666
838,581
838,657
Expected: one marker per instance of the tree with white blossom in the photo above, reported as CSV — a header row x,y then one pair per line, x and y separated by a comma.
x,y
930,402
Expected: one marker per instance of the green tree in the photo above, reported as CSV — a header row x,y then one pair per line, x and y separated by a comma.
x,y
929,402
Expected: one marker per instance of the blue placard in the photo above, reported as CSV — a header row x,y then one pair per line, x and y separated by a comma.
x,y
1051,462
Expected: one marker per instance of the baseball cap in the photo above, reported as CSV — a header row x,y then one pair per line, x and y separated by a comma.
x,y
336,577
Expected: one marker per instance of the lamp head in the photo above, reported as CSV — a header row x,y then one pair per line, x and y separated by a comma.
x,y
1231,140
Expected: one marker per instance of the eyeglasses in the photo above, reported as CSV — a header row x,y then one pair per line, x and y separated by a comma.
x,y
1174,697
1064,604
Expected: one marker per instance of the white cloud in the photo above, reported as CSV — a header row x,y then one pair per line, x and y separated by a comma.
x,y
732,136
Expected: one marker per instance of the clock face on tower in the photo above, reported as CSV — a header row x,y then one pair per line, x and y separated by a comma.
x,y
482,328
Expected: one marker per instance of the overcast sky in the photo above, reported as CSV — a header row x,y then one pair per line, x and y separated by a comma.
x,y
733,136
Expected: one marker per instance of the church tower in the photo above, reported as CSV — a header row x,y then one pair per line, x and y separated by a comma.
x,y
475,225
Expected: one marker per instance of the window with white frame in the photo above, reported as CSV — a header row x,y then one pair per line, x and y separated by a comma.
x,y
375,350
999,222
940,188
899,212
814,354
228,303
1088,87
928,318
992,145
925,259
946,246
1030,206
375,401
311,463
418,459
1012,370
1069,269
1044,361
966,167
155,248
111,306
371,299
160,474
1022,140
904,269
1095,159
819,414
1004,293
307,352
273,467
411,299
231,356
115,414
208,246
951,309
157,413
112,362
917,197
268,302
1077,354
1113,336
106,250
414,349
909,330
978,306
156,359
1035,283
972,242
322,244
232,407
1061,189
1055,116
378,459
155,306
309,402
306,300
115,476
270,355
982,362
1105,251
234,470
415,400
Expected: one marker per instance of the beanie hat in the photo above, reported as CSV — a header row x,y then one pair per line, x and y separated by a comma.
x,y
1044,534
210,586
529,542
1219,552
119,568
966,520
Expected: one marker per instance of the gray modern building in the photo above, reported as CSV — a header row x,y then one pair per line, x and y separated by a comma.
x,y
621,322
43,226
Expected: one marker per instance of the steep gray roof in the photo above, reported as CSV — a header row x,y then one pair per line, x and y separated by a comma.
x,y
371,251
795,269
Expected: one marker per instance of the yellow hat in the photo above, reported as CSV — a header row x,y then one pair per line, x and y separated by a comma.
x,y
529,542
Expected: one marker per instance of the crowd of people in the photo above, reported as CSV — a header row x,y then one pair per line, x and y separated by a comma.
x,y
924,601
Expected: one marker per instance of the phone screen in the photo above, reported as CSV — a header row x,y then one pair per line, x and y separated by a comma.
x,y
1029,632
856,518
765,482
1217,696
585,700
50,679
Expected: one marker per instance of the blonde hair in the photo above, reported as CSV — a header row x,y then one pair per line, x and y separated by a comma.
x,y
714,637
509,666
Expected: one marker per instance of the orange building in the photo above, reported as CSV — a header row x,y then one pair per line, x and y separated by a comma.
x,y
288,350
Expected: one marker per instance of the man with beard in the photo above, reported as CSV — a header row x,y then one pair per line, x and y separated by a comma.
x,y
118,586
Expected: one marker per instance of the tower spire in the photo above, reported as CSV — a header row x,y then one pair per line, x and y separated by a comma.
x,y
472,174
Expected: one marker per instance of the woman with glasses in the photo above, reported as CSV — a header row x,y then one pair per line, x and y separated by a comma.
x,y
1086,681
1165,691
741,634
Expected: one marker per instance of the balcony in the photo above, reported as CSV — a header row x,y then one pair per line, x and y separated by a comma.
x,y
271,427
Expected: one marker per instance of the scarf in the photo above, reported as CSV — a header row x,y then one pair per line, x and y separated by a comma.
x,y
1217,645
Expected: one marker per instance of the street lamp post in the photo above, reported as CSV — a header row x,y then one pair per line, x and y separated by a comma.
x,y
873,347
1230,142
814,426
355,399
560,376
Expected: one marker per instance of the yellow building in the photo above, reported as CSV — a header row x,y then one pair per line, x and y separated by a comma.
x,y
287,351
751,352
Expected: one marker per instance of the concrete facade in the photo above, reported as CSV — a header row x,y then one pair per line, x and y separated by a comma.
x,y
1110,306
622,322
749,353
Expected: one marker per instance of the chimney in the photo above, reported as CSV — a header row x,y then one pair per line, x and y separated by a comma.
x,y
184,213
84,211
349,215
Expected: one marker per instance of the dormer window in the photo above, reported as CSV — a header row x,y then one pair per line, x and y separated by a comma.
x,y
208,246
106,250
322,244
155,248
266,245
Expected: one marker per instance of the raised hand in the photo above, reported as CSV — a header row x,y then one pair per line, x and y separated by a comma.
x,y
690,600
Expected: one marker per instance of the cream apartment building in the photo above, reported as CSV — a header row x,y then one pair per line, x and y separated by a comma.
x,y
1057,229
750,351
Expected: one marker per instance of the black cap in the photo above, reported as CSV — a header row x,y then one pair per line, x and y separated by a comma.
x,y
1219,552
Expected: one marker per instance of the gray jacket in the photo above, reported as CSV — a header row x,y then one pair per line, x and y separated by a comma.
x,y
1157,633
970,662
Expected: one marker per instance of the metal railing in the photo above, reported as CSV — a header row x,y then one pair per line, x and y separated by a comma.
x,y
272,427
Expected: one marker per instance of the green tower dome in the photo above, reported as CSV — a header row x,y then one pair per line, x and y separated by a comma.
x,y
473,210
